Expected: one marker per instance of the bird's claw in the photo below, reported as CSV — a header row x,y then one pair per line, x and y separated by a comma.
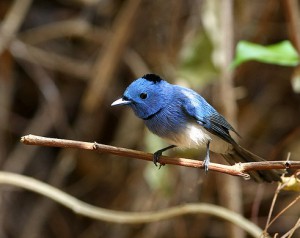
x,y
158,153
156,156
206,162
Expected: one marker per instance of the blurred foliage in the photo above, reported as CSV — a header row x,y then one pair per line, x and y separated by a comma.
x,y
293,184
196,62
159,180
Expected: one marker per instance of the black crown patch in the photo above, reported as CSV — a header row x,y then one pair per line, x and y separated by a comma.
x,y
152,77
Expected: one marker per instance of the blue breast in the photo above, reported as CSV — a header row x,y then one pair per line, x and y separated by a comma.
x,y
169,122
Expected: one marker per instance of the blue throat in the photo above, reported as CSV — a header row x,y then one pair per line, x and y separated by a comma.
x,y
152,115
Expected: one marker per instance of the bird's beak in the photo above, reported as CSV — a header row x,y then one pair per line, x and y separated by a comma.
x,y
120,102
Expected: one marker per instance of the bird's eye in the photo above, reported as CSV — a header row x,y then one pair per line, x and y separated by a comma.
x,y
143,95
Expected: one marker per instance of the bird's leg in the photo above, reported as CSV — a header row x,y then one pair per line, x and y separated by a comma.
x,y
207,158
158,153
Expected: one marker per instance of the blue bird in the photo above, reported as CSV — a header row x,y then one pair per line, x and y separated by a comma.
x,y
183,118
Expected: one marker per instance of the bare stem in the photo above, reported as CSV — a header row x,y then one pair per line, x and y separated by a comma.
x,y
238,169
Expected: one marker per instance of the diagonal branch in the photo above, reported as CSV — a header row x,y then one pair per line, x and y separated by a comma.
x,y
238,169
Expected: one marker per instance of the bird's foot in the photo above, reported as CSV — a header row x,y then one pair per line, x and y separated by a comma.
x,y
206,162
158,153
156,156
207,158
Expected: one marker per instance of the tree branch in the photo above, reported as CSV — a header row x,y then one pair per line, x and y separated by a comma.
x,y
107,215
238,169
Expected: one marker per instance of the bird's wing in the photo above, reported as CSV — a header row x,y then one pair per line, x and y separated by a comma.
x,y
219,126
197,107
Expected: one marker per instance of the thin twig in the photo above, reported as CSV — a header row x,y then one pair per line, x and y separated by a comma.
x,y
98,213
280,187
235,170
290,233
55,30
101,148
284,210
51,60
272,207
13,21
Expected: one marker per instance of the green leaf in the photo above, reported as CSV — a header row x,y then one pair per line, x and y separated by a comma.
x,y
282,53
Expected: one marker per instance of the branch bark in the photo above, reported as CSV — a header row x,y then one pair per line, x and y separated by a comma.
x,y
239,169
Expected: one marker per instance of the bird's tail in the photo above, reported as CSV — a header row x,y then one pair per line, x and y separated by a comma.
x,y
241,155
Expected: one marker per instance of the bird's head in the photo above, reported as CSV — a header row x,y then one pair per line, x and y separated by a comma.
x,y
146,95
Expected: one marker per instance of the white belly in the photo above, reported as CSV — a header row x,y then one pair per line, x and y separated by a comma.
x,y
195,136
